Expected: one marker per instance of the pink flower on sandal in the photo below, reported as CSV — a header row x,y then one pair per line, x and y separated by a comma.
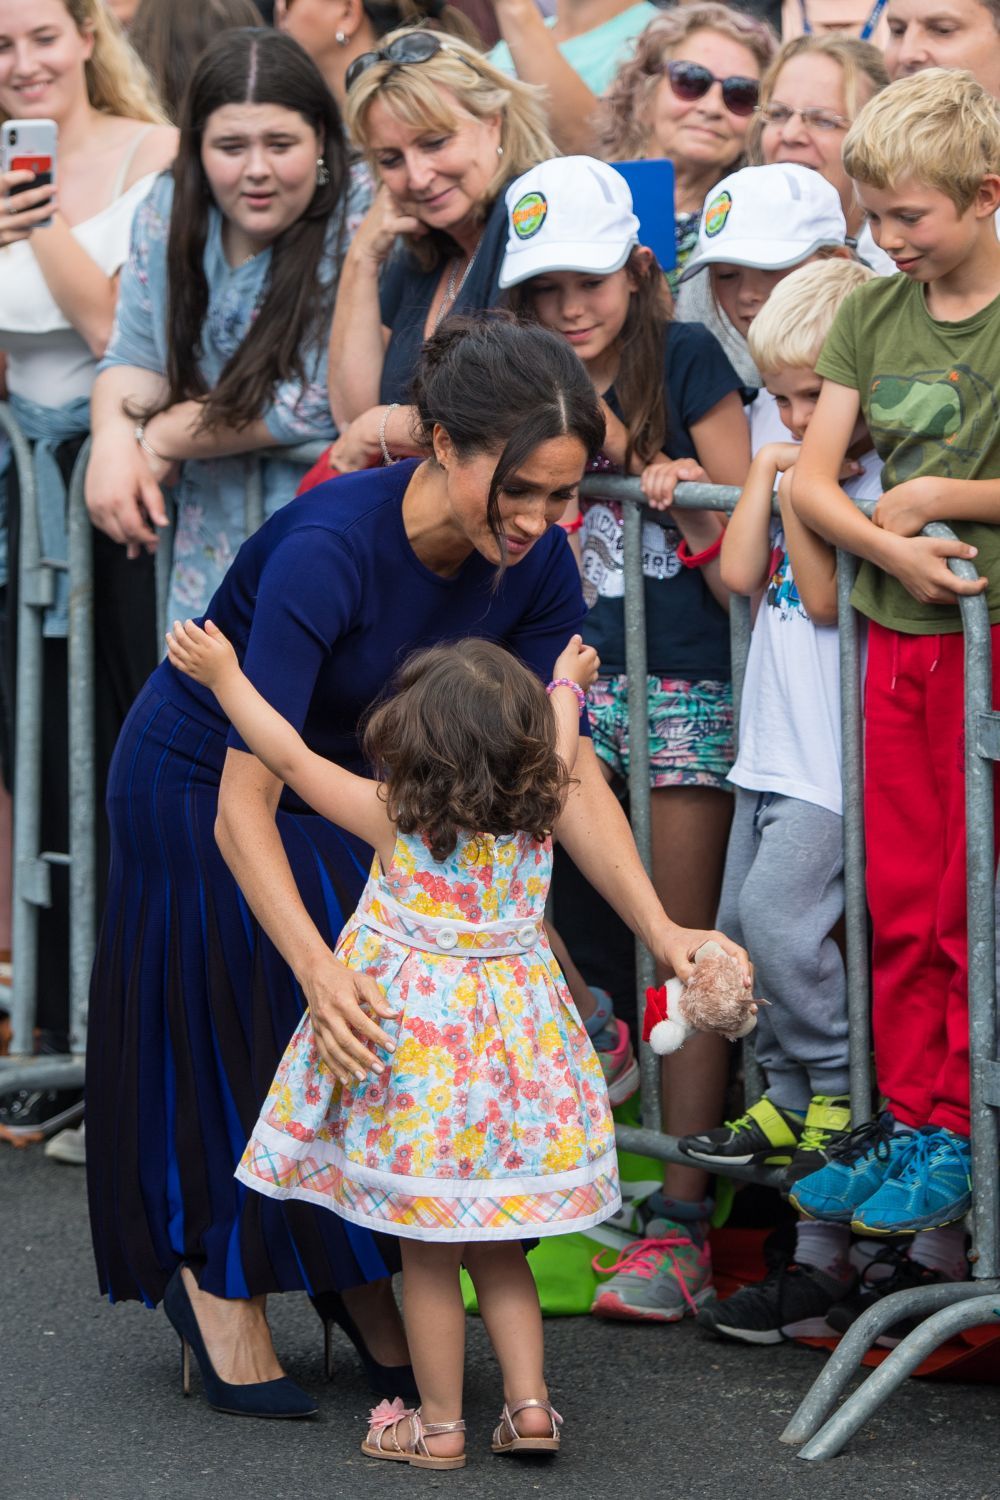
x,y
387,1413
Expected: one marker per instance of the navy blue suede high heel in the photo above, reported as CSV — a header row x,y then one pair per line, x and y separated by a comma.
x,y
268,1398
384,1380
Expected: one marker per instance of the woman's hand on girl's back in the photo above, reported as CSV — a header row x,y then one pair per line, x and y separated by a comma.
x,y
579,662
660,479
342,1003
679,947
381,227
20,213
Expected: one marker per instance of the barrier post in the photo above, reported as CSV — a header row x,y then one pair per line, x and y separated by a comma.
x,y
855,902
83,790
30,873
649,1139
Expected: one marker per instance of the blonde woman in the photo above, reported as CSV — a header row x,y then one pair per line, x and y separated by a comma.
x,y
61,249
689,94
809,97
445,133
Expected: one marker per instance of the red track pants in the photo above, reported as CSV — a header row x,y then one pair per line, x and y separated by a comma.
x,y
915,834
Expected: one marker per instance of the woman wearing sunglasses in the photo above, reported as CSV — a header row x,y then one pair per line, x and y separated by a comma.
x,y
445,132
808,98
689,94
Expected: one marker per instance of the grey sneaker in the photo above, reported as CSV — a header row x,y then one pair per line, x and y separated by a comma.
x,y
68,1146
657,1279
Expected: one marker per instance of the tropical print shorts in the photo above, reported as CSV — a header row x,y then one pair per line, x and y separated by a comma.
x,y
691,738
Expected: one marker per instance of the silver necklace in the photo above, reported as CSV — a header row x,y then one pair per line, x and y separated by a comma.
x,y
453,292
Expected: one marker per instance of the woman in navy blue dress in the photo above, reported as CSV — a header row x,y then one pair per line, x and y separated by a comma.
x,y
201,977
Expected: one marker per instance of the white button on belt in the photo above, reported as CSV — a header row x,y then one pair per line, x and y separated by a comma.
x,y
447,938
527,936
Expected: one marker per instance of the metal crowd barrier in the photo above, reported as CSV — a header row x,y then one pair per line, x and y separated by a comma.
x,y
944,1309
649,1139
31,864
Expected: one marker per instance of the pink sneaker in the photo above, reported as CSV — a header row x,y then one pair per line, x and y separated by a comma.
x,y
659,1279
621,1071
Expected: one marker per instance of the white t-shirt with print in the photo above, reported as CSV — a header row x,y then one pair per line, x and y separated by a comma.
x,y
790,709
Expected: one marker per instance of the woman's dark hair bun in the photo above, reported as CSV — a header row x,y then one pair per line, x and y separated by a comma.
x,y
494,383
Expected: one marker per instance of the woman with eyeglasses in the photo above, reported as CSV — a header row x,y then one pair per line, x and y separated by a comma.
x,y
689,94
809,96
444,132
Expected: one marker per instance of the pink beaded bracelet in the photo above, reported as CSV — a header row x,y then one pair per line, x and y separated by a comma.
x,y
581,696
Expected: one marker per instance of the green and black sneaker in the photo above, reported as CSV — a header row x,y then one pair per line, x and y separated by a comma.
x,y
828,1122
766,1136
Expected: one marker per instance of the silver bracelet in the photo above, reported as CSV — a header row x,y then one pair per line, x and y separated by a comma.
x,y
387,457
140,436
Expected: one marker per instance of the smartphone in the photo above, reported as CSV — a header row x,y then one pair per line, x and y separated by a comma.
x,y
30,146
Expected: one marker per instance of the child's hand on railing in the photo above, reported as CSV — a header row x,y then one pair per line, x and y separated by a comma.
x,y
661,478
206,655
580,663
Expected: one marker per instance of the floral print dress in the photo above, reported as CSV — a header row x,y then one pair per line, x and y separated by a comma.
x,y
491,1120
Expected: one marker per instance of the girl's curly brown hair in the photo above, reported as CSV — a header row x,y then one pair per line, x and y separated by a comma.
x,y
467,744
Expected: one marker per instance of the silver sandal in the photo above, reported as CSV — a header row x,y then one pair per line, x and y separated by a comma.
x,y
507,1439
383,1425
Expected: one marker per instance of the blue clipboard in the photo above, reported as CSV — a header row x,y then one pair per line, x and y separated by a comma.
x,y
652,186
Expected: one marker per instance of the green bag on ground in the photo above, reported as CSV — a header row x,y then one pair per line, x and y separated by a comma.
x,y
562,1264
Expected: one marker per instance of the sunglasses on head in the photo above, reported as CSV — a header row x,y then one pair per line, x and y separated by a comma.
x,y
690,81
415,47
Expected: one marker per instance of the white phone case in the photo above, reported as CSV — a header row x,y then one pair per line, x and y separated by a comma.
x,y
29,138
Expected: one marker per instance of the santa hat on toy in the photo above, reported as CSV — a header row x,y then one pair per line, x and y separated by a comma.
x,y
664,1028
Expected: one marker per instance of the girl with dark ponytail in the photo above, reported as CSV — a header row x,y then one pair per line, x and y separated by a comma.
x,y
218,345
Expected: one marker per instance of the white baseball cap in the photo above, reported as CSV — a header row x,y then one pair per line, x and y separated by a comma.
x,y
769,217
573,213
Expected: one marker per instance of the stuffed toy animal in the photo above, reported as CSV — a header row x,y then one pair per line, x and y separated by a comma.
x,y
714,999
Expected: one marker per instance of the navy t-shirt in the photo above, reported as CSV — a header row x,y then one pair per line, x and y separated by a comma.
x,y
326,600
406,293
687,630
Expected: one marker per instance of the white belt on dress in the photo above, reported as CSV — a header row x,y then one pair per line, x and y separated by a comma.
x,y
446,935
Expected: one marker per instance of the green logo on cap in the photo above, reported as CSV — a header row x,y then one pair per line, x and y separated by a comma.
x,y
716,214
528,215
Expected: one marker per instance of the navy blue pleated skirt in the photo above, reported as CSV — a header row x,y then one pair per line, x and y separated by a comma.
x,y
190,1011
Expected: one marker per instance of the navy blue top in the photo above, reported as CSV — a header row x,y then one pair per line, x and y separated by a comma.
x,y
687,629
327,599
406,292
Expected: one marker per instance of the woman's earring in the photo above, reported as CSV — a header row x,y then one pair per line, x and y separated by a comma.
x,y
322,172
342,38
499,151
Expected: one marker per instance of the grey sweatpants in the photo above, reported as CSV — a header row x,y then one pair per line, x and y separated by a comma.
x,y
782,894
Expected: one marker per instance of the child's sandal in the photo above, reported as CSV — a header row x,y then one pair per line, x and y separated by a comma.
x,y
507,1439
383,1427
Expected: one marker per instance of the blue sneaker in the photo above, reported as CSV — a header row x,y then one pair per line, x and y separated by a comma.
x,y
931,1186
857,1167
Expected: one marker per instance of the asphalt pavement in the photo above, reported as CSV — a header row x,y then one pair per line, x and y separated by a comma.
x,y
92,1406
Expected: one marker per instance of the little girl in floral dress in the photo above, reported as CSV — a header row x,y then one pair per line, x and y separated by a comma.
x,y
486,1121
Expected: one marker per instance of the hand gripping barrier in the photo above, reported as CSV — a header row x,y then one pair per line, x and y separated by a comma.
x,y
945,1309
